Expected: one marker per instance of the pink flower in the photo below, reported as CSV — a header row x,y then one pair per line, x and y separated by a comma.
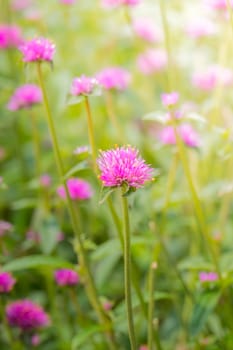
x,y
81,149
114,78
143,347
35,340
19,5
78,189
208,79
26,315
152,61
7,282
123,165
170,99
4,227
83,85
208,276
67,2
33,236
45,180
66,277
38,50
114,3
25,97
10,36
200,28
146,29
186,132
218,4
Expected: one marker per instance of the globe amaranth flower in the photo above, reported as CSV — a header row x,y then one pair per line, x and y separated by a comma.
x,y
145,29
45,180
114,3
7,282
66,277
25,96
123,166
208,276
114,78
10,36
152,61
78,189
26,315
83,85
208,79
67,2
200,28
186,132
38,50
170,99
219,4
5,226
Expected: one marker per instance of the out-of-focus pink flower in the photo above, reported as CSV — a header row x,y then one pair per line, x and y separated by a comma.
x,y
35,340
19,5
45,180
33,236
26,315
83,85
218,4
60,237
152,61
114,3
208,79
114,78
123,165
7,282
143,347
67,2
147,30
208,276
170,99
81,149
5,226
201,28
186,132
78,189
10,36
25,97
66,277
38,50
107,305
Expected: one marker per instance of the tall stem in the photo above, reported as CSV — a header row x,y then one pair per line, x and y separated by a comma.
x,y
90,286
112,116
91,133
127,271
36,141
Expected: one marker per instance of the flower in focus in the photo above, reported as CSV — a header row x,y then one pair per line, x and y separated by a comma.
x,y
152,61
114,78
145,29
78,189
83,86
7,282
122,166
10,36
186,132
170,99
38,50
25,97
5,226
66,277
208,276
26,315
200,28
45,180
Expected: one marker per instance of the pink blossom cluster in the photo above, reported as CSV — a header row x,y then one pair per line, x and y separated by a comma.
x,y
170,99
146,30
45,180
83,85
207,80
78,189
67,2
25,96
19,5
114,78
208,276
26,315
66,277
5,226
219,4
186,132
123,165
201,28
10,36
114,3
38,50
152,61
7,282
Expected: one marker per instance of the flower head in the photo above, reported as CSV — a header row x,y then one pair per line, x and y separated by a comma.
x,y
152,61
5,226
66,277
83,85
114,3
7,282
208,276
145,29
170,99
25,97
219,4
114,78
10,36
38,50
45,180
20,5
188,135
207,80
123,165
67,2
200,28
78,189
26,315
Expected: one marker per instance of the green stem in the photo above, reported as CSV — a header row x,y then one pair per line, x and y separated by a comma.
x,y
127,272
112,117
90,286
91,134
36,141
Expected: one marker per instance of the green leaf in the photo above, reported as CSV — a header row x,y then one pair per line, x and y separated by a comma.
x,y
202,309
195,263
48,230
36,261
24,203
84,336
80,167
74,100
158,116
105,193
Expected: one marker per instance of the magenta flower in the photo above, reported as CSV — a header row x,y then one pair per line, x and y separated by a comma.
x,y
218,4
26,315
38,50
10,36
200,28
152,61
122,166
66,277
83,86
170,99
78,189
208,276
25,97
186,132
45,180
145,29
114,78
5,226
7,282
